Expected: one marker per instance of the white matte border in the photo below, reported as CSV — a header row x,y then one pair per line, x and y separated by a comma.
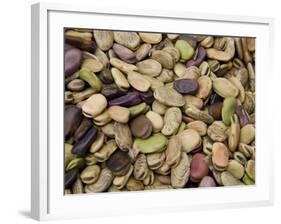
x,y
51,202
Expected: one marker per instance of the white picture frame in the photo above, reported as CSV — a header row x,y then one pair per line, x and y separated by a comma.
x,y
48,201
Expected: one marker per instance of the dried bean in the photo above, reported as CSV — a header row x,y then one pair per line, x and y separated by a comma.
x,y
186,86
147,111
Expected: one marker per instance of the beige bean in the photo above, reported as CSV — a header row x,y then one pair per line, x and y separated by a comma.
x,y
205,87
190,140
94,105
119,78
138,81
156,121
198,126
151,38
119,114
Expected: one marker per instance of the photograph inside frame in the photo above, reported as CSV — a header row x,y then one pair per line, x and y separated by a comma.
x,y
152,111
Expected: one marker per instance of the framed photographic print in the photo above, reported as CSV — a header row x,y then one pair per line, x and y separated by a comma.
x,y
150,110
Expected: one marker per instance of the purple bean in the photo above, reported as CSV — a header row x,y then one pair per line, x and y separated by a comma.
x,y
186,86
124,53
201,54
72,118
147,97
130,99
119,162
112,91
85,125
82,147
72,59
244,117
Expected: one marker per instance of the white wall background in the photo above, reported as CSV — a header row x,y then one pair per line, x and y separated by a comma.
x,y
15,110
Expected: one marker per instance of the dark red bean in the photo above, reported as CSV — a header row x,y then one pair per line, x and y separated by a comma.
x,y
199,167
186,86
